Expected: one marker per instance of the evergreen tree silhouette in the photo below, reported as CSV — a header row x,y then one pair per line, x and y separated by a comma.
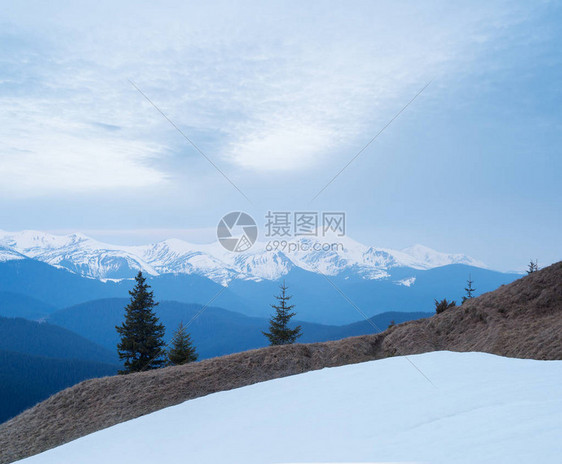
x,y
182,350
469,289
142,335
533,266
279,331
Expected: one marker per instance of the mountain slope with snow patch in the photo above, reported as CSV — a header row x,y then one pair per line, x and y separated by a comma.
x,y
475,407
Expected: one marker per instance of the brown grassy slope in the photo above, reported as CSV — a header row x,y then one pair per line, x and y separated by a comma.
x,y
522,319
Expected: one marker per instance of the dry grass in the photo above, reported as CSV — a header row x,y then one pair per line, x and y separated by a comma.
x,y
522,319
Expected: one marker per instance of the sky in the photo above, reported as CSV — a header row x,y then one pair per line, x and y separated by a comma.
x,y
278,97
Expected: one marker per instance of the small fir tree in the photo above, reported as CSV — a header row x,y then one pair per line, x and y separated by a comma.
x,y
442,305
533,266
142,335
182,350
279,331
469,289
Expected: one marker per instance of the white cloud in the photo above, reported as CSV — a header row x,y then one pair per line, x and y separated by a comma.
x,y
73,164
281,147
265,88
43,155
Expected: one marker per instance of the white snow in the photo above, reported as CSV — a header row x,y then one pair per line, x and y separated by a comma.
x,y
9,255
423,254
479,408
408,282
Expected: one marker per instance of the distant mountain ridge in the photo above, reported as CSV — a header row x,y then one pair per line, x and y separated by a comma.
x,y
39,359
47,340
34,289
28,379
18,305
214,331
62,271
88,257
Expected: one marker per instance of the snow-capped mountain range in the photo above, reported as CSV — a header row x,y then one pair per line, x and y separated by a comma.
x,y
91,258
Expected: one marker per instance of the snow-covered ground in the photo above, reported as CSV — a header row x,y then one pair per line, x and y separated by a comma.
x,y
479,408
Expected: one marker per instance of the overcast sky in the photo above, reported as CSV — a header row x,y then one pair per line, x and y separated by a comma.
x,y
280,96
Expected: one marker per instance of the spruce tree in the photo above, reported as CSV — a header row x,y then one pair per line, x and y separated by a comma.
x,y
182,350
279,331
469,289
142,335
533,266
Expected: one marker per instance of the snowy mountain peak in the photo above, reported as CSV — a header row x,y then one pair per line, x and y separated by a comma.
x,y
9,255
88,257
424,254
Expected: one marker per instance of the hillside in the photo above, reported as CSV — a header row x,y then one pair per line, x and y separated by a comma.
x,y
50,284
43,339
493,410
17,305
522,319
25,380
40,359
215,331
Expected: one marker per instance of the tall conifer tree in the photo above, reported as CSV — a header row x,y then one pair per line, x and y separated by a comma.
x,y
142,335
279,331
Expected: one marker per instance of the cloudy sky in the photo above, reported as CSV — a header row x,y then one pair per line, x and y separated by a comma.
x,y
280,96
